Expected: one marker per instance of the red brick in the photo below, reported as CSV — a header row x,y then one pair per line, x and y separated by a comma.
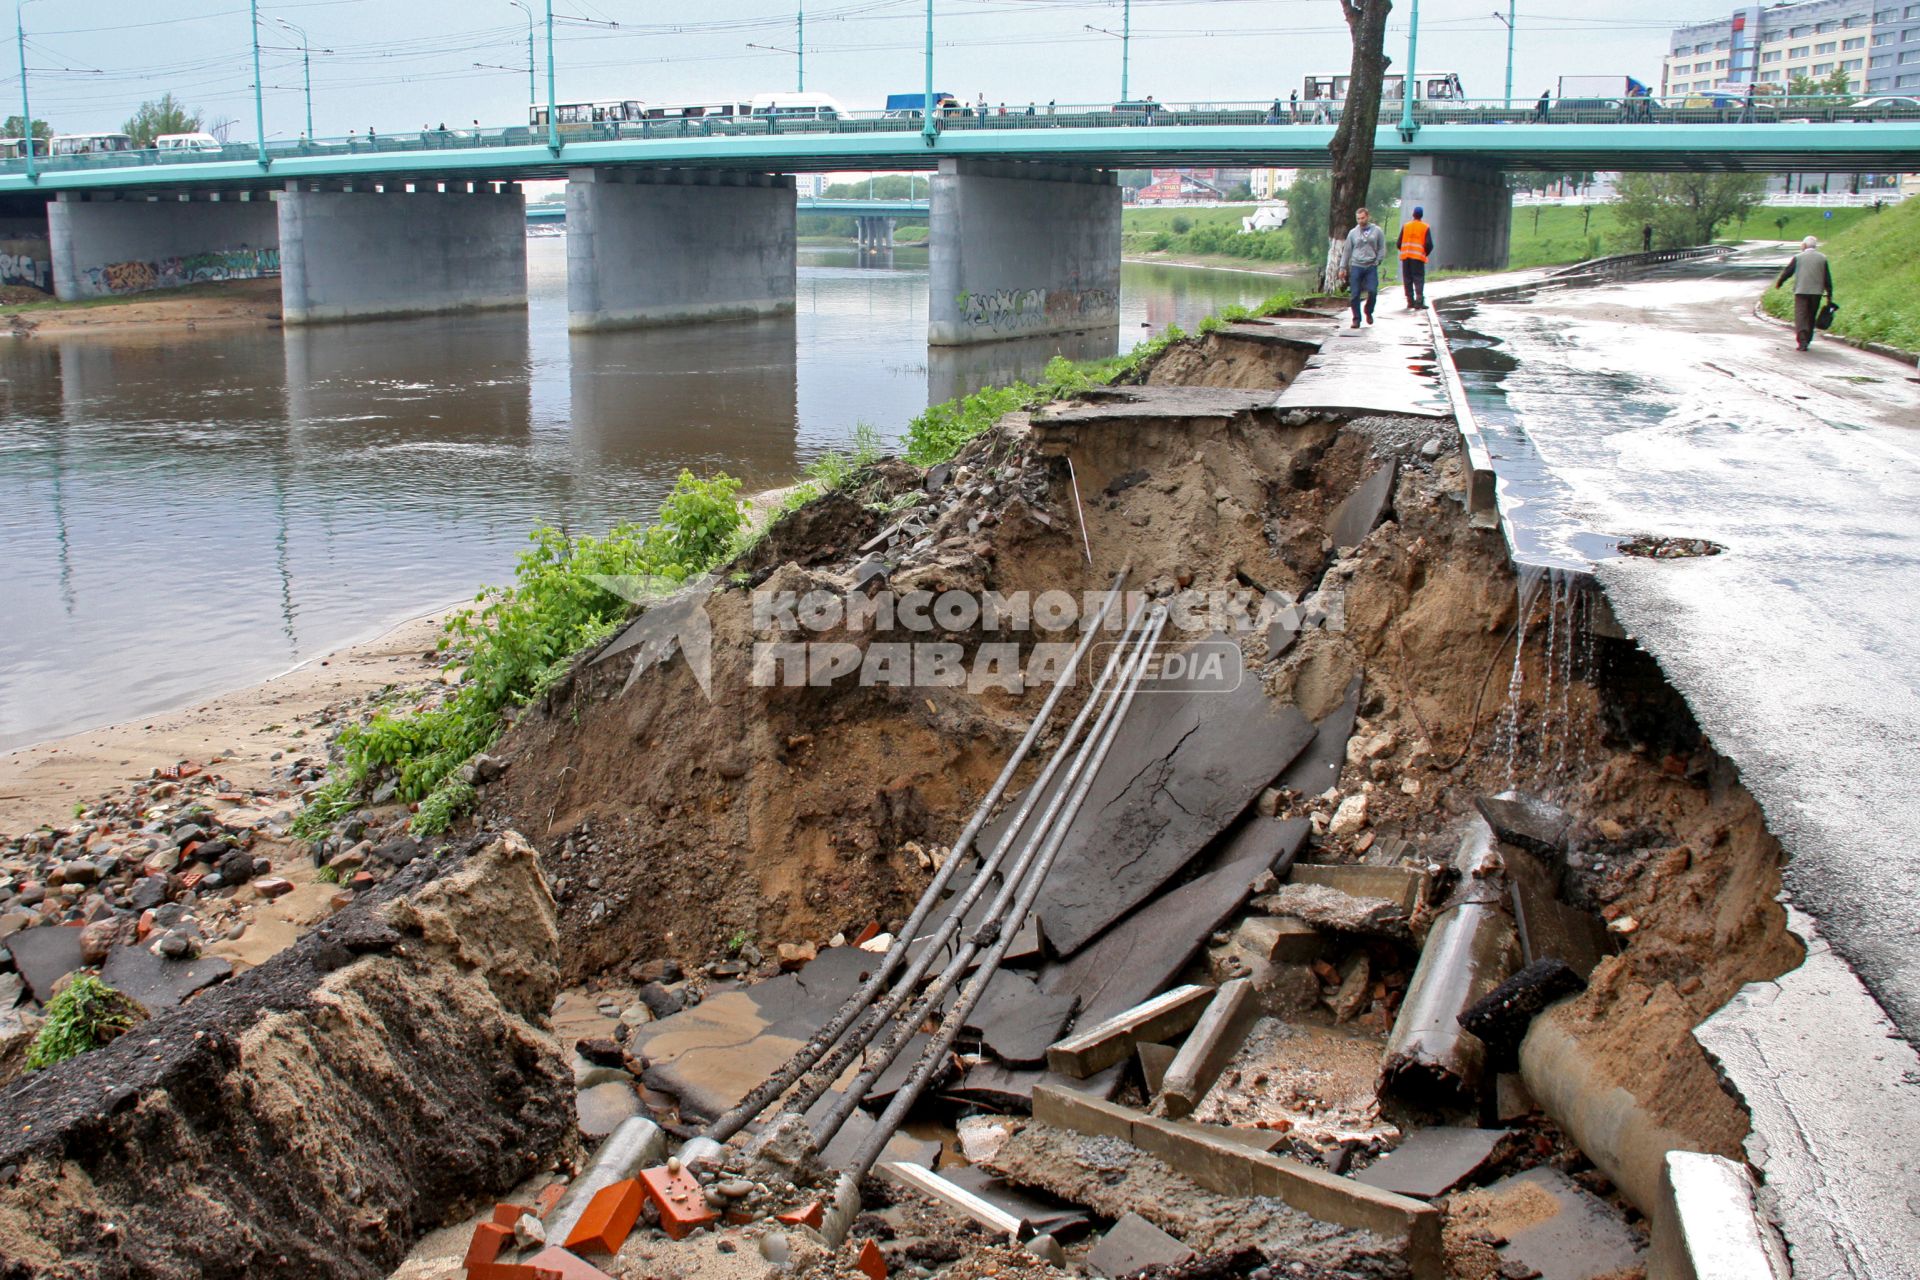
x,y
872,1262
190,879
609,1217
508,1214
681,1199
549,1196
868,934
557,1262
810,1214
489,1238
273,886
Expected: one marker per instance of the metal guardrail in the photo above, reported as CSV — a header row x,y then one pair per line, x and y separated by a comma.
x,y
1463,114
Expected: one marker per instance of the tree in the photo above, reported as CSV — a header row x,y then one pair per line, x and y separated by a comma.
x,y
1307,200
11,128
1684,208
1352,145
1835,90
157,116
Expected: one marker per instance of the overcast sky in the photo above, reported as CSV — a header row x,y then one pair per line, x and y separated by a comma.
x,y
398,64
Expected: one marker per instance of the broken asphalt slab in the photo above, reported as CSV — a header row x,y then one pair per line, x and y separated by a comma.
x,y
1132,1244
1558,1228
159,983
1431,1162
1349,523
1318,767
44,955
1526,822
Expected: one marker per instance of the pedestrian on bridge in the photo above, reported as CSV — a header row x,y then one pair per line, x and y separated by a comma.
x,y
1360,259
1293,106
1542,107
1416,246
1811,277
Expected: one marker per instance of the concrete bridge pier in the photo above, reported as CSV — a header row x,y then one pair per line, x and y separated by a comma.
x,y
100,245
665,246
1017,250
874,232
364,250
1469,206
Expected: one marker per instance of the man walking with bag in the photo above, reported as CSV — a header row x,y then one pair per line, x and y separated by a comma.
x,y
1811,277
1416,246
1360,263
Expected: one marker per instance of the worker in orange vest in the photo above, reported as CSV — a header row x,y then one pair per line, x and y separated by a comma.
x,y
1416,246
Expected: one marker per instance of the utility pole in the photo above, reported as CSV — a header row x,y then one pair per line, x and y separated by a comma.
x,y
1126,43
533,89
928,129
553,112
306,69
26,112
1410,81
1507,18
259,106
800,48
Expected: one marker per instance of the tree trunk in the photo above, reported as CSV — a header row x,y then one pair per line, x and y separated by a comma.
x,y
1352,144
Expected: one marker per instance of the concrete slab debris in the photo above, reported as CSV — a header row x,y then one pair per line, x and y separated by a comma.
x,y
1318,1084
951,1195
1133,1243
1285,939
1154,1061
1143,953
1003,1088
1255,835
1215,1039
43,955
1526,821
1017,1021
1173,780
1402,886
1557,1227
1318,767
1349,523
1550,928
1387,368
1707,1226
1432,1162
1041,1212
157,982
1328,910
1111,1040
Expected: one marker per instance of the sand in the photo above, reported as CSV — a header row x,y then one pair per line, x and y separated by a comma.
x,y
227,304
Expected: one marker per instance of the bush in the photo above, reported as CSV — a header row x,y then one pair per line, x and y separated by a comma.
x,y
1181,224
85,1016
520,639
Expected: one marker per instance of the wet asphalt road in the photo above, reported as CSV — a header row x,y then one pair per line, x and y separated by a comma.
x,y
1665,406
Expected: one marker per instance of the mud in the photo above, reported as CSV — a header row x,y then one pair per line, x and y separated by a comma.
x,y
315,1115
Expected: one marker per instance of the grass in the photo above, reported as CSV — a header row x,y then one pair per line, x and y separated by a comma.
x,y
1876,276
81,1018
945,428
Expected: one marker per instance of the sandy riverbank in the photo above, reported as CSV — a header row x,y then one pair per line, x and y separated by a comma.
x,y
244,729
227,304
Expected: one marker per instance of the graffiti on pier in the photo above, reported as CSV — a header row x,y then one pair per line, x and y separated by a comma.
x,y
25,261
1015,311
136,276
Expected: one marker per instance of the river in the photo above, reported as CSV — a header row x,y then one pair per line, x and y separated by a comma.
x,y
185,513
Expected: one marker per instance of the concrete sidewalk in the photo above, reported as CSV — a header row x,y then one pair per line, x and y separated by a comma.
x,y
1664,406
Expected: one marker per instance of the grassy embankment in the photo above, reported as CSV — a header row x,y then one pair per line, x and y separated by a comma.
x,y
518,640
1542,235
1876,277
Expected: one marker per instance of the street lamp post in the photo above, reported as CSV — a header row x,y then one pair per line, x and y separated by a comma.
x,y
259,105
800,48
1126,43
306,69
533,89
1507,18
1408,126
928,129
26,112
1122,36
553,113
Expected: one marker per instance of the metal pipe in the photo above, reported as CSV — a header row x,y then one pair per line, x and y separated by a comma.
x,y
776,1084
1002,923
822,1077
890,1119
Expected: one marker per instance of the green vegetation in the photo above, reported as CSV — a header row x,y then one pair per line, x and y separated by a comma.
x,y
519,640
157,116
85,1016
11,128
945,428
1684,208
1876,277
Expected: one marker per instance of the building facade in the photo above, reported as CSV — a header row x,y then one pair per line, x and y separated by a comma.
x,y
1875,42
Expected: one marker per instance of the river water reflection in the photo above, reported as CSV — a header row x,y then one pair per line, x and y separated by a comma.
x,y
189,512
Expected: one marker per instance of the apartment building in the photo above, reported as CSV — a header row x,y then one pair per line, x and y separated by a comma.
x,y
1876,42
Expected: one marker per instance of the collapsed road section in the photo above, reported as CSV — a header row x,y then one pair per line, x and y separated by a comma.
x,y
1165,836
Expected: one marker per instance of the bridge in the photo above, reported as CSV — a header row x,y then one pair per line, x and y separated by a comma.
x,y
688,220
